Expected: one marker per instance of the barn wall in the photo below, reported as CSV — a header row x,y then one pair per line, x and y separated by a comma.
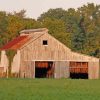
x,y
61,69
93,70
27,69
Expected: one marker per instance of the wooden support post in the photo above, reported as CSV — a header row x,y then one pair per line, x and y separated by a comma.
x,y
34,69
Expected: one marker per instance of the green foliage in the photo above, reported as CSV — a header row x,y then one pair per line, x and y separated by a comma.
x,y
20,14
31,23
57,13
10,55
12,24
49,89
3,27
79,36
54,25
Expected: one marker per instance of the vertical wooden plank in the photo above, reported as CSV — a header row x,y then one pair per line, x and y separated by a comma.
x,y
34,69
93,70
56,74
61,69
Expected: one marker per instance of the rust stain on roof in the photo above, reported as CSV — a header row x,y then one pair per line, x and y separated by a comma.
x,y
16,43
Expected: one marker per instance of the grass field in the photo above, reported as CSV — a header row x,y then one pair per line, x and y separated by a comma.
x,y
49,89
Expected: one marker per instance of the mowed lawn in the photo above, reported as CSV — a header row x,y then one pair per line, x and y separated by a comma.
x,y
49,89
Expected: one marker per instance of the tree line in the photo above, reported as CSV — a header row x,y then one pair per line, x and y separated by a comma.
x,y
78,29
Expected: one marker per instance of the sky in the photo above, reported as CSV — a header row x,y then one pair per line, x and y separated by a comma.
x,y
36,7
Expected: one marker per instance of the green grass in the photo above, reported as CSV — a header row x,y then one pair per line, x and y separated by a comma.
x,y
49,89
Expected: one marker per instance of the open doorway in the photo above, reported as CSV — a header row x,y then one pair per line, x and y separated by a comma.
x,y
79,70
44,69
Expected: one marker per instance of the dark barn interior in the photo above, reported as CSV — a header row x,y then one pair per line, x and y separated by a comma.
x,y
44,69
79,75
79,70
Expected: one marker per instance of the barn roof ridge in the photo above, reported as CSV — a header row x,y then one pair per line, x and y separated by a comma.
x,y
34,30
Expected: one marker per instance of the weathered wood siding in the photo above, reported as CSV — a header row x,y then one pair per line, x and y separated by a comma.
x,y
27,70
93,70
53,51
61,69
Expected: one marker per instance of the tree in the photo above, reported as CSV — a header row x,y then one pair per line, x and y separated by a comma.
x,y
20,14
91,14
3,27
57,13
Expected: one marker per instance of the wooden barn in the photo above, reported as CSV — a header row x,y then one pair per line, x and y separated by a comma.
x,y
39,55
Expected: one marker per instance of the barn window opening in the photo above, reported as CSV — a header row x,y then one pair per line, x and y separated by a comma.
x,y
45,42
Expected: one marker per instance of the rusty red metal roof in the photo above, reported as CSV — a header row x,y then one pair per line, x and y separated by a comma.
x,y
16,43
